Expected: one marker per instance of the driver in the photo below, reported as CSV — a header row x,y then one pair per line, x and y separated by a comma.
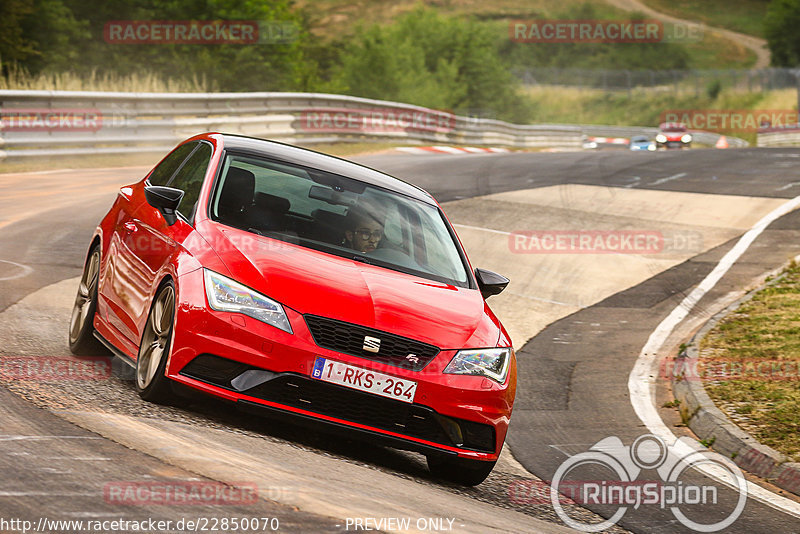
x,y
364,229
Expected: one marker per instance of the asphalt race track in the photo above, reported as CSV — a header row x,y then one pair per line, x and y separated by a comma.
x,y
588,317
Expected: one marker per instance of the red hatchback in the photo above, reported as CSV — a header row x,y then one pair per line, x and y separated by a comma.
x,y
297,283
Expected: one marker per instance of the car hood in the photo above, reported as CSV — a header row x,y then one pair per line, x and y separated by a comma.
x,y
313,282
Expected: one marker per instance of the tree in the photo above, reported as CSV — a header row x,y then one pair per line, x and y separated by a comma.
x,y
67,35
431,60
780,29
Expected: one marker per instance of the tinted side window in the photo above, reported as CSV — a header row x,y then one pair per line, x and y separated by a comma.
x,y
165,169
190,179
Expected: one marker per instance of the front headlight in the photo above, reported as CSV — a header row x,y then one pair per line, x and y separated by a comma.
x,y
491,363
661,138
226,295
651,147
686,138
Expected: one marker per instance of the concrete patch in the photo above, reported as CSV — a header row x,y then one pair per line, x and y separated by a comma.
x,y
547,286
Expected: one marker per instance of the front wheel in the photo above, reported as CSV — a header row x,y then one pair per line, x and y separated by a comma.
x,y
460,470
151,380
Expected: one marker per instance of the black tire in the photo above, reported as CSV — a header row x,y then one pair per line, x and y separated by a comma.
x,y
151,362
81,324
460,470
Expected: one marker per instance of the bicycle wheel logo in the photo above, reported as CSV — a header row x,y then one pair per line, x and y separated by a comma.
x,y
626,490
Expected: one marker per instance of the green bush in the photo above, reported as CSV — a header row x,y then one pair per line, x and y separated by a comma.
x,y
431,60
780,28
713,89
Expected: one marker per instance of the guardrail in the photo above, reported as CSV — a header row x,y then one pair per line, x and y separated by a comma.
x,y
70,123
778,137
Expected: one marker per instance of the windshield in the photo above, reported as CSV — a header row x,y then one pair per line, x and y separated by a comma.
x,y
337,215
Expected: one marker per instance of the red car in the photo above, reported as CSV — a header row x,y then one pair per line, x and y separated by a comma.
x,y
673,135
296,283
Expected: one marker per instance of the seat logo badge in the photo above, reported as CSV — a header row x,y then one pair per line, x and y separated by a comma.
x,y
412,358
371,344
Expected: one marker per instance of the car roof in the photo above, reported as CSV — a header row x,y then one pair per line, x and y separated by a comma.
x,y
672,127
324,162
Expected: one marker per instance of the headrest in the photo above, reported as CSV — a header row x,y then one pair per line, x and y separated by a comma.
x,y
238,190
271,203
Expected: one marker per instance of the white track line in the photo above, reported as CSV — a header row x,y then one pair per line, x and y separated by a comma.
x,y
482,229
668,178
642,380
24,269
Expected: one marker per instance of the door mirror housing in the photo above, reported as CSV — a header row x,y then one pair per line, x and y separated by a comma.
x,y
490,283
164,199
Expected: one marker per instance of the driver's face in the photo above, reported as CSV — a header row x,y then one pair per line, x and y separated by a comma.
x,y
367,236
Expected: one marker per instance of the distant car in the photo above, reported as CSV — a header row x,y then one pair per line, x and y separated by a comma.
x,y
641,142
673,135
299,284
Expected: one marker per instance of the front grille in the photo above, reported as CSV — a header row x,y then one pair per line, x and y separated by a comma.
x,y
349,338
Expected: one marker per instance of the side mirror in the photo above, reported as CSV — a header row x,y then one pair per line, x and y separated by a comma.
x,y
165,200
490,283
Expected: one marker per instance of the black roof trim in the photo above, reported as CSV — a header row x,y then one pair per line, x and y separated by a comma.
x,y
324,162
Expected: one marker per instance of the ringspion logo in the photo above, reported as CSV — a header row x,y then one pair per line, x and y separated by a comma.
x,y
623,489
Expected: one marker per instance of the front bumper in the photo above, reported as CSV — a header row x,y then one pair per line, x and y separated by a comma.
x,y
674,145
265,369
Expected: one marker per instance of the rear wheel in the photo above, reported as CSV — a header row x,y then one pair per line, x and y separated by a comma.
x,y
151,380
81,323
460,470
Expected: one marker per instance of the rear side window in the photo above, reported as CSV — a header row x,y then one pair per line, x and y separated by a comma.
x,y
190,179
162,174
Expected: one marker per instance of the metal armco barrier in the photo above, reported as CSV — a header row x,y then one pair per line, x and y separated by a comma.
x,y
69,123
778,137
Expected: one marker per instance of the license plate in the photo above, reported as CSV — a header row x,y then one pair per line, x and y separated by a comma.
x,y
364,380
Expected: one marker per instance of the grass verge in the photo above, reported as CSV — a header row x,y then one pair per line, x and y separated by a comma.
x,y
759,347
644,107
